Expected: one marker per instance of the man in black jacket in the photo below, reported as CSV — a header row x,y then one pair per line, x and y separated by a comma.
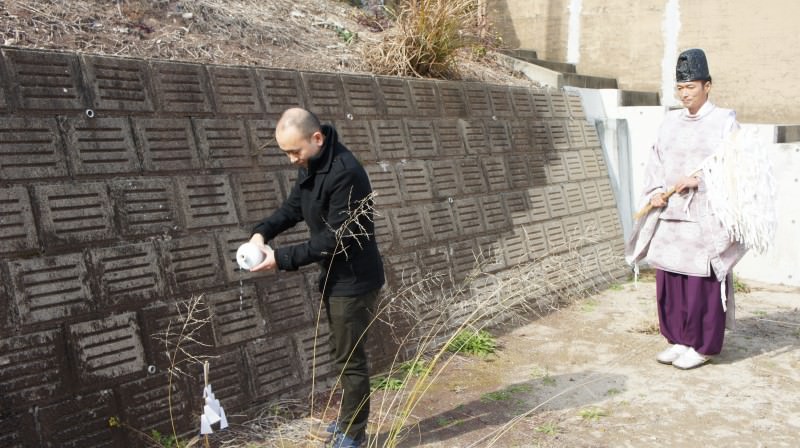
x,y
332,195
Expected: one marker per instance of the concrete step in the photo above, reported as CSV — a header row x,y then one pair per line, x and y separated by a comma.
x,y
635,98
588,82
787,133
530,56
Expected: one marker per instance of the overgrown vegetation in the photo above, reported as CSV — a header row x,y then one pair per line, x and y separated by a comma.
x,y
480,343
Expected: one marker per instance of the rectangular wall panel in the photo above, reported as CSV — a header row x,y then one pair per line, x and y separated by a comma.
x,y
128,275
285,303
145,205
207,201
34,368
236,315
17,229
30,148
101,146
82,421
271,363
181,87
281,89
45,80
118,84
191,264
166,144
107,348
235,90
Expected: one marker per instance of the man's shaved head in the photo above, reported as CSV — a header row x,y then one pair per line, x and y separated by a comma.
x,y
305,122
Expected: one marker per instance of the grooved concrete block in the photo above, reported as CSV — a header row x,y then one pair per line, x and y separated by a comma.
x,y
515,248
51,288
45,80
146,405
390,139
167,144
426,98
403,270
591,195
575,105
574,196
265,148
181,87
541,136
74,213
535,241
4,89
128,275
223,143
165,320
575,134
236,317
33,368
271,364
30,148
442,221
500,97
258,195
313,351
285,303
606,193
558,104
541,104
521,140
82,421
383,231
415,181
556,237
478,102
574,165
235,90
324,95
490,255
464,257
145,205
281,89
207,201
385,185
410,226
17,228
499,139
468,216
118,84
558,135
590,135
572,228
357,137
496,173
537,198
229,380
556,201
589,222
556,169
451,141
518,172
362,96
445,178
522,102
475,136
192,264
517,206
101,146
453,99
435,260
421,139
470,174
537,166
19,429
107,348
608,220
591,167
396,96
494,215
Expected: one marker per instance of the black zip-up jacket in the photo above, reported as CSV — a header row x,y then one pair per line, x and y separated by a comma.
x,y
324,196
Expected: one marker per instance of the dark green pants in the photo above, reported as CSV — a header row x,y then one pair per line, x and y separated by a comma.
x,y
349,318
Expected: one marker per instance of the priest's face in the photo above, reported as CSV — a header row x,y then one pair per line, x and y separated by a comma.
x,y
693,94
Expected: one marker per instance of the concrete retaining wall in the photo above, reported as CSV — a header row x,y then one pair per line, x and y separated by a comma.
x,y
126,186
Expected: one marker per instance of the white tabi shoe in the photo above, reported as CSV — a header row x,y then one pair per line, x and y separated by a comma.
x,y
669,355
690,359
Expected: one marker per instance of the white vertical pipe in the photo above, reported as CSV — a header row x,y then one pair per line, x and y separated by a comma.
x,y
670,29
574,33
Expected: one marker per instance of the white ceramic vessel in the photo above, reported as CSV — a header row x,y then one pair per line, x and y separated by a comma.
x,y
249,255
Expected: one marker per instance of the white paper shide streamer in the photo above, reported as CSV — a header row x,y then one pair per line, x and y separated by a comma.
x,y
741,190
213,412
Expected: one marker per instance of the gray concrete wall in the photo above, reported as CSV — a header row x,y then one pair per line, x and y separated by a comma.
x,y
749,43
126,185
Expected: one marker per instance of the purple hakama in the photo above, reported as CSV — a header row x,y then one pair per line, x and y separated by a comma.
x,y
690,311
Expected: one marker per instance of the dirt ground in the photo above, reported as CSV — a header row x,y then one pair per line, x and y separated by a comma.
x,y
586,376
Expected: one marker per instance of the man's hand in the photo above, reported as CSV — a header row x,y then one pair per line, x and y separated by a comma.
x,y
269,262
686,183
657,200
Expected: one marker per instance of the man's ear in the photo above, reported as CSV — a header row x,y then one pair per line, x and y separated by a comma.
x,y
318,138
